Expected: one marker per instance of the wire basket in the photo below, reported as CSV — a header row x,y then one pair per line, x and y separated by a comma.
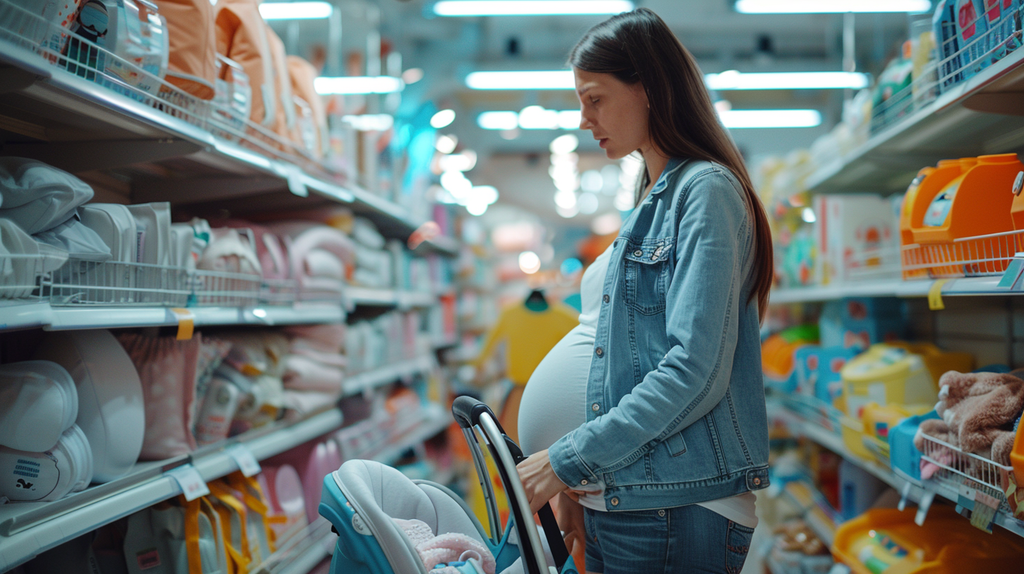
x,y
963,61
90,283
965,257
224,289
82,57
987,480
278,292
22,275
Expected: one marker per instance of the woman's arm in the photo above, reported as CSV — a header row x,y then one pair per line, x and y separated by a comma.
x,y
702,306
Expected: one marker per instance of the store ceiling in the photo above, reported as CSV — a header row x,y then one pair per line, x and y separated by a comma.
x,y
447,49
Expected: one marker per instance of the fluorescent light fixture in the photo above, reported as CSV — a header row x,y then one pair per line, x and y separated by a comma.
x,y
830,6
358,85
531,118
446,143
530,7
564,144
498,120
442,119
740,119
296,10
733,80
529,262
370,122
536,80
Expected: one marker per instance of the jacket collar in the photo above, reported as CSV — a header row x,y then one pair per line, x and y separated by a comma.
x,y
673,165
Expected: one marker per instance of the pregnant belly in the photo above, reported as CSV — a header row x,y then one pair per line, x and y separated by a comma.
x,y
554,401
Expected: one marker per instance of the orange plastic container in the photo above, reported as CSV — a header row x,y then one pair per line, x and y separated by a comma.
x,y
1017,456
957,235
928,183
884,540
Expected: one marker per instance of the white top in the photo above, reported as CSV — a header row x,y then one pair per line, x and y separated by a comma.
x,y
554,401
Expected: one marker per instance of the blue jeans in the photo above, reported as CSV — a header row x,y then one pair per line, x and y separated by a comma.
x,y
682,540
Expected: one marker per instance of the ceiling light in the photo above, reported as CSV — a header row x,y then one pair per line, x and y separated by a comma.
x,y
733,80
412,75
741,119
808,215
565,199
591,181
456,184
442,119
569,119
538,118
358,85
464,161
538,80
295,10
624,200
832,6
476,208
564,144
370,122
498,120
529,262
588,203
446,144
568,212
487,194
530,7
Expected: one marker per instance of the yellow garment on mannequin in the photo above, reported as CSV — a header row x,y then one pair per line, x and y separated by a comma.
x,y
529,336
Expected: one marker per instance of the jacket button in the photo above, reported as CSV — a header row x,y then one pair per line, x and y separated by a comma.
x,y
661,513
606,298
583,482
757,481
615,502
599,351
638,252
595,407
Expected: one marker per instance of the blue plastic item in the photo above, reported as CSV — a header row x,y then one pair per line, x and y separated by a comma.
x,y
904,457
859,322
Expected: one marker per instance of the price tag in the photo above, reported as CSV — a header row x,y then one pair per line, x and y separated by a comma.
x,y
1012,273
935,295
922,507
247,463
186,322
188,478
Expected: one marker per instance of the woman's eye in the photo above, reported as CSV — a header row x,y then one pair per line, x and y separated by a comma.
x,y
594,100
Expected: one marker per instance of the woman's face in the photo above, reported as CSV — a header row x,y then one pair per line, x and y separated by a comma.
x,y
614,112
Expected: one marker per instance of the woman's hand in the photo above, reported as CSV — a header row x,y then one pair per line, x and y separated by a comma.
x,y
540,482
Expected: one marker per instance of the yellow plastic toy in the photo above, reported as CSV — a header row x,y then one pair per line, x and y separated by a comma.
x,y
898,373
884,541
974,203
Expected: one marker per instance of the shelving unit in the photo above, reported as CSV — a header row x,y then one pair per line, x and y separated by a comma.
x,y
75,124
144,154
967,286
979,116
914,491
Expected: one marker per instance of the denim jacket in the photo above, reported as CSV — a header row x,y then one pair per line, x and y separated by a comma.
x,y
676,408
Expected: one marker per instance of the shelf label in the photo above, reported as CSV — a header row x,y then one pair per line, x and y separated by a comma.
x,y
295,183
247,462
935,295
186,322
190,481
1012,273
922,507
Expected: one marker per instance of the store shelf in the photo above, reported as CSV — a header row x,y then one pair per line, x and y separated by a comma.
x,y
979,116
388,374
77,125
24,315
967,286
913,490
301,552
389,298
27,529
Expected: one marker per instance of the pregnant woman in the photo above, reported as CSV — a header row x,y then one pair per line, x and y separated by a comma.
x,y
651,412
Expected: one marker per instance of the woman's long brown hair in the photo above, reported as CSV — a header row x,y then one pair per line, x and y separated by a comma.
x,y
638,46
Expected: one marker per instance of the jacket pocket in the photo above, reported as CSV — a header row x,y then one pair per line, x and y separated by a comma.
x,y
646,275
676,445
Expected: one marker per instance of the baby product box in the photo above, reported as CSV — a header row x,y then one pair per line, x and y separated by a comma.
x,y
859,322
857,237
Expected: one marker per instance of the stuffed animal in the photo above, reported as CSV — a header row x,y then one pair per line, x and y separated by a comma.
x,y
978,411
